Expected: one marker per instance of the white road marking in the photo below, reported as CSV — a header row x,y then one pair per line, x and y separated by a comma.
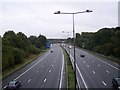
x,y
52,65
88,66
29,80
106,63
81,77
83,61
5,87
54,61
37,72
107,71
98,65
93,72
104,83
42,65
79,73
61,77
30,67
45,80
93,61
49,70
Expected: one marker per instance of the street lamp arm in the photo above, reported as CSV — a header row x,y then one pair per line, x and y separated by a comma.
x,y
58,12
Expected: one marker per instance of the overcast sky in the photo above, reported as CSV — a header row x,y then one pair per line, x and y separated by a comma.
x,y
34,17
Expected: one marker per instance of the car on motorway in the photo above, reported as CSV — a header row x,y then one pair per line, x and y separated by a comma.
x,y
82,55
51,51
13,85
116,83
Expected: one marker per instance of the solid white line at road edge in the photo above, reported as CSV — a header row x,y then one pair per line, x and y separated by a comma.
x,y
106,63
31,67
80,74
60,86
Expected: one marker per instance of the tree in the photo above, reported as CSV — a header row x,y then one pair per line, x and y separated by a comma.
x,y
41,41
18,55
32,39
105,41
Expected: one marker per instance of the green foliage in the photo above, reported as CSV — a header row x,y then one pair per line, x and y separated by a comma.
x,y
7,57
41,41
32,39
32,49
18,55
16,47
105,41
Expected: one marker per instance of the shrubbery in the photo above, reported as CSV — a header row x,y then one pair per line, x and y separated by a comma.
x,y
105,41
16,47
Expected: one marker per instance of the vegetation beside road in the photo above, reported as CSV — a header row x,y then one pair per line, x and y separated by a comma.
x,y
18,50
105,41
28,60
69,70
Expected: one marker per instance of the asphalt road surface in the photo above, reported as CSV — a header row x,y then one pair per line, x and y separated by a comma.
x,y
45,72
93,72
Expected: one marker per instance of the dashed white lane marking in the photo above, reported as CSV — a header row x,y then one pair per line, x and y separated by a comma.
x,y
49,70
107,71
98,65
42,65
54,61
37,72
83,61
29,80
88,66
93,61
93,72
104,83
52,65
106,63
31,67
45,80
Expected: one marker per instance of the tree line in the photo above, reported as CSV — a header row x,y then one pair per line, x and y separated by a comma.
x,y
17,46
105,41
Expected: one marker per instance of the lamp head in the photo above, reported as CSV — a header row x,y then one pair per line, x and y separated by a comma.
x,y
57,12
89,11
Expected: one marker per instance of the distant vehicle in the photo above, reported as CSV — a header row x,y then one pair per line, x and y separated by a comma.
x,y
70,47
13,85
51,51
82,55
116,83
48,45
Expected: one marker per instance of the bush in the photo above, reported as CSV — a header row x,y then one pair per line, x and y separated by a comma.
x,y
32,49
18,55
7,57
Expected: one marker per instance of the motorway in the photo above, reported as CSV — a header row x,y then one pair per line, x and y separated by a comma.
x,y
93,72
44,72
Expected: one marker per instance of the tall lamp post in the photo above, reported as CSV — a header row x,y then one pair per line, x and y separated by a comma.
x,y
87,11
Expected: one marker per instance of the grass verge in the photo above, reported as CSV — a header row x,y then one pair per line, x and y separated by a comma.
x,y
21,65
69,70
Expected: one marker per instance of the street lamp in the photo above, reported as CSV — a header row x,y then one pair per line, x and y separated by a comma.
x,y
69,47
67,33
87,11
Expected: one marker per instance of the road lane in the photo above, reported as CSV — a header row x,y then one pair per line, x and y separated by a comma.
x,y
44,72
96,73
